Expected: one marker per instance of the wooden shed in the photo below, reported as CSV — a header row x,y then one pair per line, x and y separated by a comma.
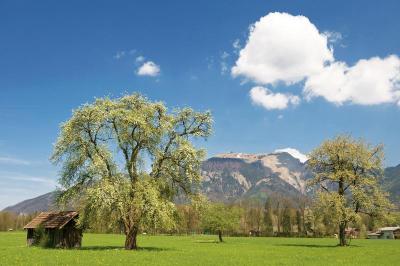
x,y
59,227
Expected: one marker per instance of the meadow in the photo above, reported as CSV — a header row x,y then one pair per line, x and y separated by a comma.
x,y
107,249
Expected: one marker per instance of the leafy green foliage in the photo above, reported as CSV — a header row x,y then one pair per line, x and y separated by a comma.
x,y
128,158
348,172
268,221
42,238
220,218
286,220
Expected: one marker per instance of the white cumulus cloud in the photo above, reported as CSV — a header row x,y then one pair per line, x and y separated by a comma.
x,y
368,82
282,47
269,100
295,153
149,68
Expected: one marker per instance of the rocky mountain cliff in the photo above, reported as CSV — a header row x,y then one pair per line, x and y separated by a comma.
x,y
233,176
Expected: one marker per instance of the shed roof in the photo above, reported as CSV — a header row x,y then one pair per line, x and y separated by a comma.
x,y
52,219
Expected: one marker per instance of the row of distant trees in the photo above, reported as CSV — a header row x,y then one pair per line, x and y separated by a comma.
x,y
279,215
12,221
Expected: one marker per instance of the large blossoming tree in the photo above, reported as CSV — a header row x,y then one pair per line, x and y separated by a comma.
x,y
127,159
348,172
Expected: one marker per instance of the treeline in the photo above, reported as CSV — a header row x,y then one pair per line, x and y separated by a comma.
x,y
10,221
279,215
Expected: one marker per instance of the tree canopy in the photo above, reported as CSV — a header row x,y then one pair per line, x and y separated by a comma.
x,y
347,172
220,218
128,158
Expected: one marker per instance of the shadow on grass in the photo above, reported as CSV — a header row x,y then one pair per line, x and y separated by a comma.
x,y
208,242
154,249
312,245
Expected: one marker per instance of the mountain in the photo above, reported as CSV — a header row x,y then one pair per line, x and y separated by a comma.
x,y
42,203
232,176
391,183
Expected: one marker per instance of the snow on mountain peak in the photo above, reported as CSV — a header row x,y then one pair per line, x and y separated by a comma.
x,y
295,153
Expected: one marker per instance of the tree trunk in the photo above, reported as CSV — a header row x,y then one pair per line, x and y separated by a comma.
x,y
220,236
342,224
304,221
131,239
278,223
342,234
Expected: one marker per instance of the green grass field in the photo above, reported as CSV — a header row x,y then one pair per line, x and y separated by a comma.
x,y
102,249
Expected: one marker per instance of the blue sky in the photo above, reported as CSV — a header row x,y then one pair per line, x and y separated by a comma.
x,y
55,56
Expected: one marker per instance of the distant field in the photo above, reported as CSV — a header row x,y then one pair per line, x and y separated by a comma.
x,y
102,249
